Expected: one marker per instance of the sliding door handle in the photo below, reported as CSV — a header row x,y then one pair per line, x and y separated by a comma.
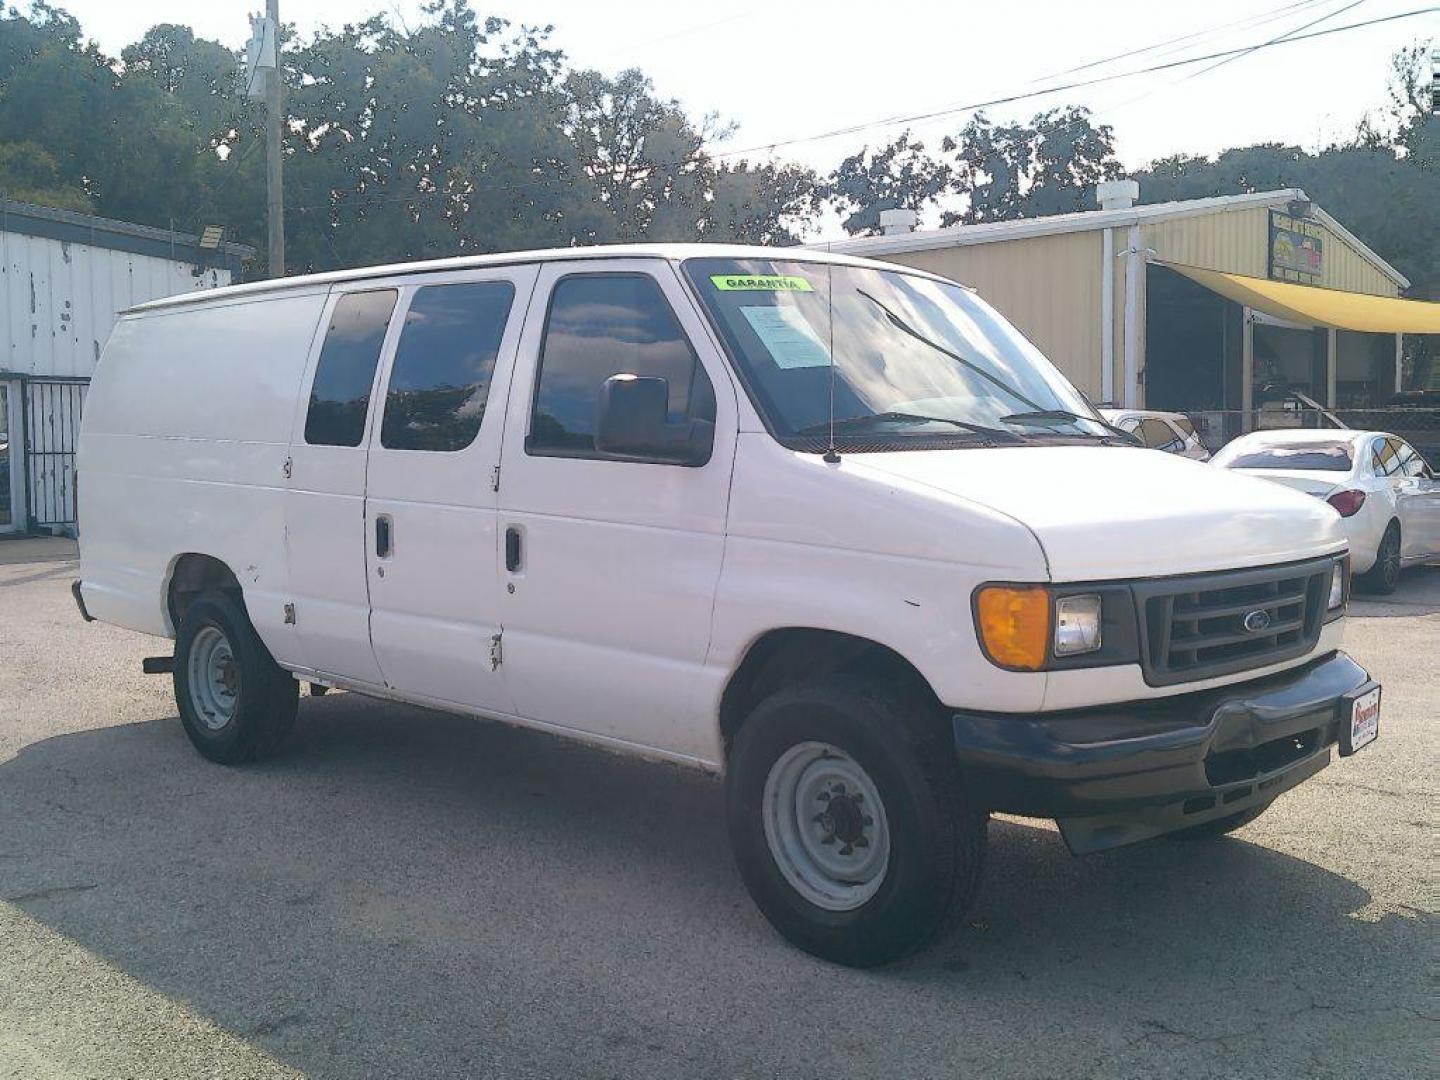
x,y
512,549
384,540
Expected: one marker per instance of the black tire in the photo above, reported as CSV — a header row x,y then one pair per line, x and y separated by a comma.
x,y
265,697
1384,576
1220,826
936,839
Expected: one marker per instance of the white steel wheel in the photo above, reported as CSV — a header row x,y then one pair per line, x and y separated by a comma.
x,y
214,678
825,826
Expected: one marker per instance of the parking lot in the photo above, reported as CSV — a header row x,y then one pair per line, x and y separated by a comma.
x,y
406,893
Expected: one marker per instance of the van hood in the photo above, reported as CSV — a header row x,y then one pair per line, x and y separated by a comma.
x,y
1115,512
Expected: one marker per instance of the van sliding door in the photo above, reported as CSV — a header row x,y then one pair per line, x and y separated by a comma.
x,y
431,546
324,509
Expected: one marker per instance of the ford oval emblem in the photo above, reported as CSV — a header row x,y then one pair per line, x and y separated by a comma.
x,y
1256,621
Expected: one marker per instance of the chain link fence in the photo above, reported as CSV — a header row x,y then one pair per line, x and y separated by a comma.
x,y
1418,424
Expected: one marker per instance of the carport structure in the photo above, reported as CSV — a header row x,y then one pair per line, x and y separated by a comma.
x,y
1222,305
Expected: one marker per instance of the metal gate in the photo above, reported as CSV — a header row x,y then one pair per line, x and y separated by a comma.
x,y
50,417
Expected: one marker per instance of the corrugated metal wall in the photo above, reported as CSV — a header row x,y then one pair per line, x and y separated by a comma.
x,y
59,300
1048,286
1236,241
58,304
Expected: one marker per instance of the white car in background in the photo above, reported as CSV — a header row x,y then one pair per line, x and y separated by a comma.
x,y
1387,497
1167,431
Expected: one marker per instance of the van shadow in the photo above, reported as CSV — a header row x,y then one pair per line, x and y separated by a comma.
x,y
405,887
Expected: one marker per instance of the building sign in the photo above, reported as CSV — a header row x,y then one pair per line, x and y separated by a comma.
x,y
1297,249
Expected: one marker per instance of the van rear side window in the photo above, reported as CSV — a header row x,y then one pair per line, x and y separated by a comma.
x,y
340,394
441,375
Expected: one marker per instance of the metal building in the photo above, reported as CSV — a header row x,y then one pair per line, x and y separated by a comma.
x,y
63,278
1204,306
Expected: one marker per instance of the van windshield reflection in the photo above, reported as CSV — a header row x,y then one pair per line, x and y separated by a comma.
x,y
893,356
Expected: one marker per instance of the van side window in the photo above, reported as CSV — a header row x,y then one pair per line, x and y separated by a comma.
x,y
443,363
601,325
340,394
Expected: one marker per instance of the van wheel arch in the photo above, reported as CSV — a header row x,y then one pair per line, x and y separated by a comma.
x,y
193,574
784,657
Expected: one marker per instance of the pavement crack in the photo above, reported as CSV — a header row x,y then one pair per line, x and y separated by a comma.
x,y
1159,1029
46,894
1353,786
270,1027
56,804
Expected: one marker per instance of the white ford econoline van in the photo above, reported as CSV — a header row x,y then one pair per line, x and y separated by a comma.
x,y
831,527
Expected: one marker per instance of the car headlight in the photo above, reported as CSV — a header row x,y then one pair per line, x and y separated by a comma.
x,y
1339,579
1077,624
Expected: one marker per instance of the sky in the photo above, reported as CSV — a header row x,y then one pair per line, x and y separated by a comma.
x,y
791,69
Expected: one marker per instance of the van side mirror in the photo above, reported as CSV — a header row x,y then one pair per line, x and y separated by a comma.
x,y
635,423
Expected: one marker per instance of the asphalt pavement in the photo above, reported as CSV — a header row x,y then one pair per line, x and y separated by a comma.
x,y
405,893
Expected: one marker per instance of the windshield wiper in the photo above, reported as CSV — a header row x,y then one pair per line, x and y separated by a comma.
x,y
849,423
1041,416
904,327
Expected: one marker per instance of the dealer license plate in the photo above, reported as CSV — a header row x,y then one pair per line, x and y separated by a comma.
x,y
1364,722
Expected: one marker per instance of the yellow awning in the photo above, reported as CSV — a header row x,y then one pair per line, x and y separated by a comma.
x,y
1320,307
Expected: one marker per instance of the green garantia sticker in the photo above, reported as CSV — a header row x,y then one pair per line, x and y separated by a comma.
x,y
760,283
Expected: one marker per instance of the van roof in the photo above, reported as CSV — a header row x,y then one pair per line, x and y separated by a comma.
x,y
510,258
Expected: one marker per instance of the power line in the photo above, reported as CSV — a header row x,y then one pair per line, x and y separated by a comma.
x,y
1198,35
539,183
1250,23
1275,40
1078,84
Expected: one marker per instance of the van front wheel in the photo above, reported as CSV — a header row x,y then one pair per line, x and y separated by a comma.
x,y
849,822
235,702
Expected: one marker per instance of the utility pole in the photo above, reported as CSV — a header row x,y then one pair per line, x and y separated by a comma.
x,y
274,110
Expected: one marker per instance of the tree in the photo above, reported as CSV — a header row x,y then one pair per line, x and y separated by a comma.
x,y
1410,122
765,203
407,144
1049,166
901,175
54,92
458,134
29,173
643,159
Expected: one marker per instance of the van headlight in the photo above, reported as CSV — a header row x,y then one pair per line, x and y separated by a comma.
x,y
1339,581
1030,628
1077,624
1013,623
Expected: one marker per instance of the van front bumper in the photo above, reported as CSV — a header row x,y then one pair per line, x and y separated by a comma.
x,y
1118,774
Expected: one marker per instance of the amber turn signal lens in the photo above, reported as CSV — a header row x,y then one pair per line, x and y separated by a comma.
x,y
1014,624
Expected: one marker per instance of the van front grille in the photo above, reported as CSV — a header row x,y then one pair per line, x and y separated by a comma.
x,y
1208,625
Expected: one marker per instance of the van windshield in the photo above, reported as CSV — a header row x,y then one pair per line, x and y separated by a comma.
x,y
905,359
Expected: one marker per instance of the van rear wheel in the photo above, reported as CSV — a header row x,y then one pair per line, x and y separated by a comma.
x,y
849,822
235,702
